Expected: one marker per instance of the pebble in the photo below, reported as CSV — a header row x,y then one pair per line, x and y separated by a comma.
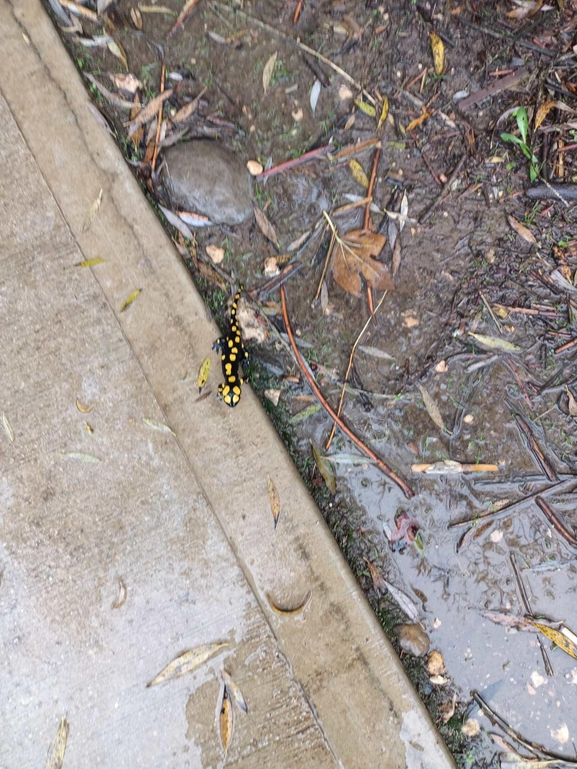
x,y
413,639
206,177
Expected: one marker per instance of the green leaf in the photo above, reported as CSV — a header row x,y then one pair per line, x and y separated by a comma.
x,y
522,122
511,138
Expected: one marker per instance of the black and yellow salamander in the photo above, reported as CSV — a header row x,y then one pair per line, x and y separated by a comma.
x,y
233,354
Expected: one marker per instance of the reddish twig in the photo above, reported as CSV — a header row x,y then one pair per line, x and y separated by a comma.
x,y
182,16
287,165
570,538
371,187
158,119
567,346
297,11
408,492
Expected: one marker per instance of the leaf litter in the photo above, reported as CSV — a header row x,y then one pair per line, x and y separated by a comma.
x,y
188,662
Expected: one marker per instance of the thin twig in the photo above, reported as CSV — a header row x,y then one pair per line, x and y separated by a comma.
x,y
288,164
444,192
534,448
158,119
371,187
560,527
348,371
408,492
526,603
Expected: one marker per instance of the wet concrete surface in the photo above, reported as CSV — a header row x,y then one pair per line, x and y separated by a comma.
x,y
110,476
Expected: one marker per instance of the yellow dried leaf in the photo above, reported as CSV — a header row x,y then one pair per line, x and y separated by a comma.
x,y
495,343
84,409
384,112
418,120
92,212
149,112
558,639
58,748
122,592
438,53
203,373
433,410
353,256
297,609
522,231
268,70
7,428
543,111
358,173
226,720
188,661
274,498
91,262
117,50
325,469
129,300
160,426
79,456
368,109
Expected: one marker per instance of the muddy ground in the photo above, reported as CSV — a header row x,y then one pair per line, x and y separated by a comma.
x,y
462,266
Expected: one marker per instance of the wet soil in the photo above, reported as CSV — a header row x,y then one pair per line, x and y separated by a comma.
x,y
463,269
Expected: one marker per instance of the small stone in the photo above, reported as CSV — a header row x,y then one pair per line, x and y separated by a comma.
x,y
468,419
254,167
441,367
205,176
471,727
273,396
297,115
271,268
215,253
413,639
435,663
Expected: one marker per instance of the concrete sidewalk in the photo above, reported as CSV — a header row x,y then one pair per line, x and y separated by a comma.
x,y
112,475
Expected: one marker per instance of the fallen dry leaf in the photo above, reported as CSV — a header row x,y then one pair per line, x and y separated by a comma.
x,y
495,343
226,720
188,661
447,709
353,256
274,498
418,120
384,113
160,426
379,582
127,83
149,112
129,300
122,592
433,410
325,469
265,226
358,173
268,70
234,689
7,428
58,748
435,663
117,50
92,212
438,53
522,231
182,16
365,107
572,402
136,18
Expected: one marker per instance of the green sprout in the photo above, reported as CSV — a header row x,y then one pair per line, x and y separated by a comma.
x,y
520,114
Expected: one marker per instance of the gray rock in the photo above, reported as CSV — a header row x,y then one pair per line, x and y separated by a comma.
x,y
206,177
413,639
